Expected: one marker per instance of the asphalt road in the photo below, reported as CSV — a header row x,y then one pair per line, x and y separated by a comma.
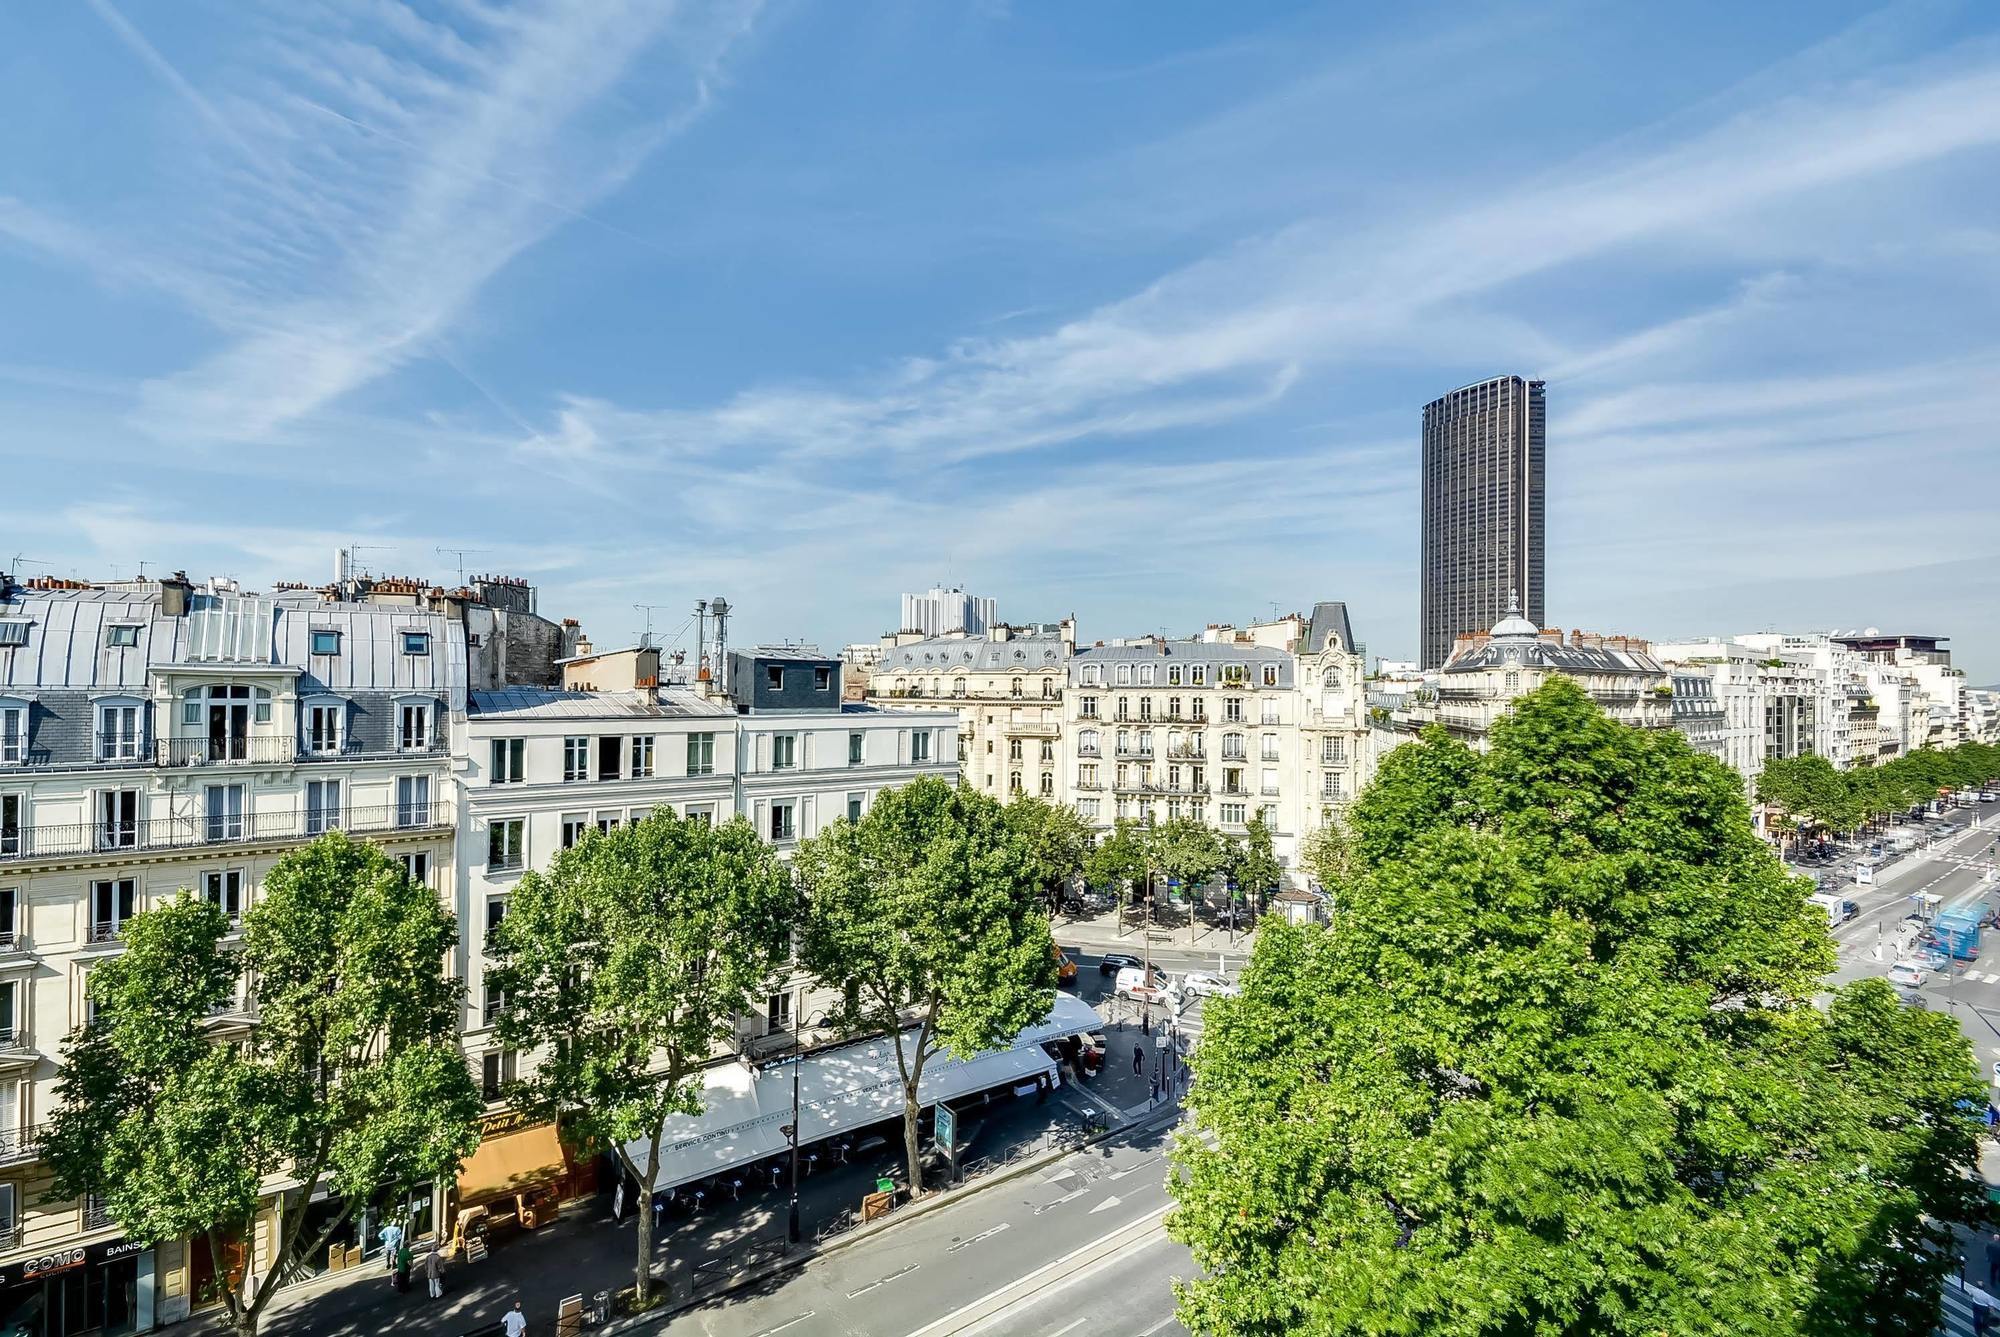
x,y
1031,1255
1956,868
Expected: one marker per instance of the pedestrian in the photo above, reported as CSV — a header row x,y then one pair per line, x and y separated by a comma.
x,y
1138,1059
392,1240
434,1272
1993,1261
515,1323
400,1277
1982,1312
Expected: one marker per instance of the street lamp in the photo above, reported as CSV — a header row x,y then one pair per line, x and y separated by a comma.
x,y
792,1129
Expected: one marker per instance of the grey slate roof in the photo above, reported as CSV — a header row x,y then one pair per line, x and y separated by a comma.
x,y
1562,658
974,654
66,648
1328,619
555,703
1212,653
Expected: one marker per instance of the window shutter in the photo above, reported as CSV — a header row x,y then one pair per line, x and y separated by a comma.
x,y
763,754
808,815
806,750
762,819
902,747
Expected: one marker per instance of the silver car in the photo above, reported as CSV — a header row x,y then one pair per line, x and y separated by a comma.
x,y
1206,984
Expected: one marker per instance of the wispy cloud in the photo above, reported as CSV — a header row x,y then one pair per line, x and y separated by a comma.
x,y
367,195
1227,336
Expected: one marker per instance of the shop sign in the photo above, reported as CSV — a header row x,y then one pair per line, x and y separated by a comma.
x,y
58,1261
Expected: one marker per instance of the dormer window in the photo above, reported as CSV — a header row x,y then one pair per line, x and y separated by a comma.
x,y
13,631
118,731
122,635
326,641
416,642
325,722
413,725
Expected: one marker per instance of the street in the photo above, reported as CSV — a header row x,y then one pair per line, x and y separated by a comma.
x,y
1956,869
1049,1252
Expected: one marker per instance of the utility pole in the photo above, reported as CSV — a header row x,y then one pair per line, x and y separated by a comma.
x,y
646,637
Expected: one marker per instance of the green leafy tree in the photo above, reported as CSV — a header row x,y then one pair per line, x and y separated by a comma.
x,y
624,968
1418,784
1811,792
350,1072
926,916
1056,840
1254,863
1327,853
1120,859
1188,851
1555,1069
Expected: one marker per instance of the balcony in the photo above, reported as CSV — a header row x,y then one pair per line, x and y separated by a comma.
x,y
96,1216
197,831
277,750
1033,730
1090,750
20,1144
233,1012
1191,752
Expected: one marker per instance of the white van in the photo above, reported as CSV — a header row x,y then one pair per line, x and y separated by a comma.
x,y
1838,910
1132,983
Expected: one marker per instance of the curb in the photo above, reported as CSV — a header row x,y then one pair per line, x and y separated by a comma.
x,y
936,1201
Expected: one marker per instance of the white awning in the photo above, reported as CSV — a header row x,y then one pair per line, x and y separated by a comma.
x,y
840,1090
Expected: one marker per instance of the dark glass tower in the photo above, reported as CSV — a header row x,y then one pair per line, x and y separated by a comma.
x,y
1484,524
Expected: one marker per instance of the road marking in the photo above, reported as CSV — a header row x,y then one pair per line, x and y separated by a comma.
x,y
982,1235
1131,1169
1161,1326
1115,1244
1070,1196
899,1272
1071,1327
788,1323
1113,1201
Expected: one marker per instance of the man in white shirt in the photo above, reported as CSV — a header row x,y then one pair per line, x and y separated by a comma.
x,y
516,1322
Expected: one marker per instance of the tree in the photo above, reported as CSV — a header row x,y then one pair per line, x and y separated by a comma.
x,y
1056,840
928,909
351,1071
625,967
1327,853
1255,864
1555,1069
1119,859
1190,852
1810,791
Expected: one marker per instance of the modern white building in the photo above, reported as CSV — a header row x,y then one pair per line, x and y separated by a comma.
x,y
940,611
160,737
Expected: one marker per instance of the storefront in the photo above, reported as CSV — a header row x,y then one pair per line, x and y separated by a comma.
x,y
517,1178
106,1288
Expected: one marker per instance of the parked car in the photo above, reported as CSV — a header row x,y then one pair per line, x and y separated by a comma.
x,y
1908,975
1989,796
1113,962
1207,984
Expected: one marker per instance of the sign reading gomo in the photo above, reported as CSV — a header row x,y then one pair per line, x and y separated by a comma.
x,y
62,1260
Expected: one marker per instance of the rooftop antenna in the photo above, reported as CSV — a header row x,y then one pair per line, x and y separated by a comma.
x,y
353,548
646,637
462,554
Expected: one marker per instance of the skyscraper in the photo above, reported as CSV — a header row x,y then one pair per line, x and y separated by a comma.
x,y
1484,524
940,611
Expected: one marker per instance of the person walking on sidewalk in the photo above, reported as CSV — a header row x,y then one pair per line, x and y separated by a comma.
x,y
515,1323
1138,1059
392,1240
1993,1265
434,1272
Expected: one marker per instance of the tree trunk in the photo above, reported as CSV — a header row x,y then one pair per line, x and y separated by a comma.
x,y
642,1277
912,1152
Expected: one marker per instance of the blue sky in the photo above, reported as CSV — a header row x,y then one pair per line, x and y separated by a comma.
x,y
1116,309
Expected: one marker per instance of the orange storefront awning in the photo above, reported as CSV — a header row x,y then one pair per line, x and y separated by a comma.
x,y
513,1163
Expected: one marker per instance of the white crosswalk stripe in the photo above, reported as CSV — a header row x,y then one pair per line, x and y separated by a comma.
x,y
1958,1314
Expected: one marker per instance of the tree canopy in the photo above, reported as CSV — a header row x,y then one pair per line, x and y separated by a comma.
x,y
1812,795
1055,839
926,917
1119,858
623,970
349,1067
1554,1068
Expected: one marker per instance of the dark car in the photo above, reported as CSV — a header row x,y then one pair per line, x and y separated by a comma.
x,y
1113,962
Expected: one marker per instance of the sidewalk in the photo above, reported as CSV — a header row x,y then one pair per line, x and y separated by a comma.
x,y
585,1252
1171,926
